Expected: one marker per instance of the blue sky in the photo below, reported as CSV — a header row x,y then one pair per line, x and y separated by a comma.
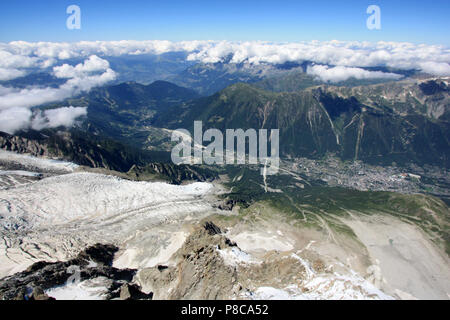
x,y
280,21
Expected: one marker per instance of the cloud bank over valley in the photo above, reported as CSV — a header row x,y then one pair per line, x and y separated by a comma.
x,y
331,61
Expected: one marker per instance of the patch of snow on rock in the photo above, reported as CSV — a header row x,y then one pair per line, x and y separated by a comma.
x,y
95,289
235,256
324,287
40,163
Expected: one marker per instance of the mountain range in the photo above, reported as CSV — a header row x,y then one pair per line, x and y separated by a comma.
x,y
363,178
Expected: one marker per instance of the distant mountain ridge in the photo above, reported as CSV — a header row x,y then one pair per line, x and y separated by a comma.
x,y
77,147
395,122
208,78
380,124
82,149
125,112
154,95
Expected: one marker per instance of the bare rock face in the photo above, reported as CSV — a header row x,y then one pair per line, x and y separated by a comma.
x,y
133,292
91,263
32,294
22,145
210,266
38,294
200,273
175,174
211,228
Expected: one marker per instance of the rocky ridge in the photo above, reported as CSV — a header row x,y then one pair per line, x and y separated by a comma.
x,y
93,262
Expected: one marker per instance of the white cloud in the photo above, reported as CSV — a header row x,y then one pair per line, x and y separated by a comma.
x,y
340,73
54,118
81,79
14,119
436,68
16,60
428,58
93,64
9,74
20,118
349,58
15,104
31,97
347,54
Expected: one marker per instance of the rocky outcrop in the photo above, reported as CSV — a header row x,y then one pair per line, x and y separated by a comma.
x,y
133,292
74,146
80,149
93,262
210,266
211,228
201,272
433,87
227,205
22,145
175,174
